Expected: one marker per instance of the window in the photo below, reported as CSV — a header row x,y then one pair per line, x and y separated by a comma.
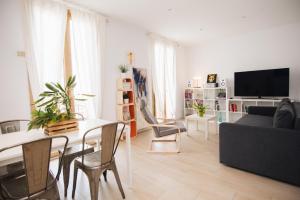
x,y
64,42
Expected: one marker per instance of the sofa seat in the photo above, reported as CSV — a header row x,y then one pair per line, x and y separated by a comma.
x,y
256,120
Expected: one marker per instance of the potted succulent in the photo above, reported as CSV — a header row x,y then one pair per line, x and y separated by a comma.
x,y
54,107
123,69
125,98
200,109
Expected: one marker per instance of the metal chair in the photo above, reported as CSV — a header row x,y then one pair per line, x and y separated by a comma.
x,y
70,154
38,182
94,164
11,126
17,168
162,132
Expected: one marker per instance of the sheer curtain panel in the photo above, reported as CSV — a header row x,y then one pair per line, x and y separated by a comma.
x,y
46,26
87,43
164,77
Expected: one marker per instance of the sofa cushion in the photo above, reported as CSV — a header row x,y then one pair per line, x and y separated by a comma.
x,y
256,120
284,115
297,115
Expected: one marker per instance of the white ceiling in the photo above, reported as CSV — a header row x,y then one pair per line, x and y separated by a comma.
x,y
196,21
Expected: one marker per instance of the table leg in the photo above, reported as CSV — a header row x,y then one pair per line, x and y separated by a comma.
x,y
206,129
128,155
187,127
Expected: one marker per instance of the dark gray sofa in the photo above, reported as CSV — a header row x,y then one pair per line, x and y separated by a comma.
x,y
252,144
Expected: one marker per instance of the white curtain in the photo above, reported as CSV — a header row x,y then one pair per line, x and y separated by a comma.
x,y
46,26
87,43
164,78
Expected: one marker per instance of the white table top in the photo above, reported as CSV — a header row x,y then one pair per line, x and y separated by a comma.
x,y
197,117
11,139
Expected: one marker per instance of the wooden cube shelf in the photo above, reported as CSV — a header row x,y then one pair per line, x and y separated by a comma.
x,y
126,110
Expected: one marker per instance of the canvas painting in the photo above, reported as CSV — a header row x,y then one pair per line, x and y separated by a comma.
x,y
140,83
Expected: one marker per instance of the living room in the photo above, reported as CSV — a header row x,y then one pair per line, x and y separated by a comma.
x,y
202,98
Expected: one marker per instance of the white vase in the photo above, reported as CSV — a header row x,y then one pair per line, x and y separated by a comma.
x,y
126,101
124,75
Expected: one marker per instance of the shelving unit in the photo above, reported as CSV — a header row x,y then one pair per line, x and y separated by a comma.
x,y
242,104
214,98
126,111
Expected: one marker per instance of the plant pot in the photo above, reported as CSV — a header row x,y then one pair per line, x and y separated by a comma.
x,y
124,75
61,127
126,101
201,114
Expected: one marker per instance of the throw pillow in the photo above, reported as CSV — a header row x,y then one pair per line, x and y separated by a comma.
x,y
297,113
284,115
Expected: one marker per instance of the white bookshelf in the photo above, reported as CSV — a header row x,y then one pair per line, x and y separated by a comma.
x,y
242,104
224,113
217,105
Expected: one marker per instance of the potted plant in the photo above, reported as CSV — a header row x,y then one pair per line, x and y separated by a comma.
x,y
54,107
123,69
125,98
200,109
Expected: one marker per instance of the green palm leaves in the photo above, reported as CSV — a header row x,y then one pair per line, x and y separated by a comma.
x,y
54,104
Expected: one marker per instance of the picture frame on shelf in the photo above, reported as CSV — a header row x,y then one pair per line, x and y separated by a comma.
x,y
212,78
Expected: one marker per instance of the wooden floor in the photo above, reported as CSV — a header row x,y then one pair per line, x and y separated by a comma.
x,y
193,174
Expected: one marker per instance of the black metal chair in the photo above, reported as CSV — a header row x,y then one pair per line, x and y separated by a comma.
x,y
38,182
96,163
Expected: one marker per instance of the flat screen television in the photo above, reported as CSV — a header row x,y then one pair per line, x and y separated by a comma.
x,y
262,83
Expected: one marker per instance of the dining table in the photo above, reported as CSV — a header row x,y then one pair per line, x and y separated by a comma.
x,y
75,137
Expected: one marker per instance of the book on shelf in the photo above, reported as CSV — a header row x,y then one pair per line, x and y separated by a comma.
x,y
188,94
189,104
126,114
233,107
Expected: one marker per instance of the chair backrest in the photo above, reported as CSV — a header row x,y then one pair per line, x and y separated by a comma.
x,y
79,116
108,141
148,116
12,125
36,158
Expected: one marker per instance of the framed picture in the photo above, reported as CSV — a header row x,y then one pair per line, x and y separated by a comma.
x,y
211,78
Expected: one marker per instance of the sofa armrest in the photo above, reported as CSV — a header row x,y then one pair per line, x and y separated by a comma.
x,y
272,152
262,110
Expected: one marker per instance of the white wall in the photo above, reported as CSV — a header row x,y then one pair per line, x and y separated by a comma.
x,y
14,100
121,39
272,48
182,77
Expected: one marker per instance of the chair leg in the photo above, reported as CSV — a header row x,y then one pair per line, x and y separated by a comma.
x,y
115,171
74,179
66,175
105,175
176,140
93,177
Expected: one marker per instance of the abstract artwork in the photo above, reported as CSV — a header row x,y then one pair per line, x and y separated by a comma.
x,y
140,83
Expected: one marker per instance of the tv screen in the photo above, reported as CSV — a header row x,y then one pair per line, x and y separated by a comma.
x,y
262,83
